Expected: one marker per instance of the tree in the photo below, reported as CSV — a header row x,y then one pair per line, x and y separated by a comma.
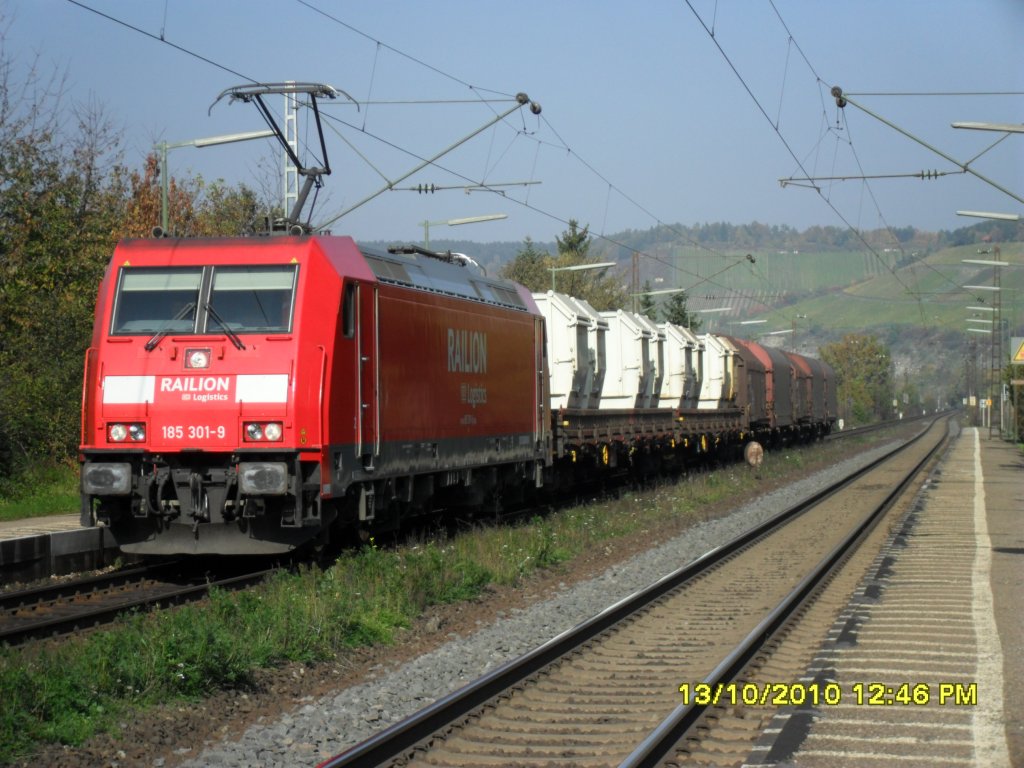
x,y
864,383
225,210
59,194
574,242
529,268
675,312
196,208
65,200
600,290
532,268
647,306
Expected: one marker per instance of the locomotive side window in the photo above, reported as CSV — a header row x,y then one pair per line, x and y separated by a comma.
x,y
153,300
253,299
348,311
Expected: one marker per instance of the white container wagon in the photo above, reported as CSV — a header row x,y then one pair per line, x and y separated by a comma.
x,y
576,350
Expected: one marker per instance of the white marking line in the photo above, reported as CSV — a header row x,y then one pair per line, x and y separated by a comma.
x,y
867,720
990,746
947,617
873,642
261,388
844,757
118,390
898,653
950,633
911,740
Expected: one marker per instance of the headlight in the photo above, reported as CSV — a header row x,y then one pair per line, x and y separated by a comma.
x,y
197,358
106,478
263,478
118,433
266,432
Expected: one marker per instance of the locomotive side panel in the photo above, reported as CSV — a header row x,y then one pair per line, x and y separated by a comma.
x,y
455,373
436,392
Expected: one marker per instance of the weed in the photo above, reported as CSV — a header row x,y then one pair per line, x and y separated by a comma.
x,y
52,490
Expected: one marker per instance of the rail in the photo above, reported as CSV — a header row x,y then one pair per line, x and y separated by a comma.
x,y
408,734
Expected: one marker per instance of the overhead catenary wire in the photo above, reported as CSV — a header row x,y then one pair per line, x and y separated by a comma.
x,y
161,39
547,124
539,141
477,91
715,40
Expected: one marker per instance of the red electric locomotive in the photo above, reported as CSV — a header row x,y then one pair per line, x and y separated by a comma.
x,y
244,395
251,395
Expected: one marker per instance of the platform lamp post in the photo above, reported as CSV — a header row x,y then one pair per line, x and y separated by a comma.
x,y
792,325
456,222
659,292
1006,129
578,268
996,338
164,147
712,311
998,127
987,401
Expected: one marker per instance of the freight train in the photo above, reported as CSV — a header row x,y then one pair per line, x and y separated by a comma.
x,y
256,395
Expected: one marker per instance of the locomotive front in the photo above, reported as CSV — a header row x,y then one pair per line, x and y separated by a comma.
x,y
193,440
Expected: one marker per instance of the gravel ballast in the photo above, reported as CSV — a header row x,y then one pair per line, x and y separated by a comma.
x,y
326,726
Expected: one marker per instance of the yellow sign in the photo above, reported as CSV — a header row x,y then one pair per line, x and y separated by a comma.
x,y
1017,346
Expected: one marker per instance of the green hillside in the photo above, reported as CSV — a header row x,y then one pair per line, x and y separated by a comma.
x,y
778,272
927,294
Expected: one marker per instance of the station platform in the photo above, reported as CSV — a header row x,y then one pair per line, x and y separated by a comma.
x,y
926,664
39,547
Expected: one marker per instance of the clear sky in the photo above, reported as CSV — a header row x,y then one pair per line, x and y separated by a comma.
x,y
646,118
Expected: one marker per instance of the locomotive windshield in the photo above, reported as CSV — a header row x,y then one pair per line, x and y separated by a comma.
x,y
152,300
254,299
162,300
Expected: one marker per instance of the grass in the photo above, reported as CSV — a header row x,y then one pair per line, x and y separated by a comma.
x,y
52,490
65,692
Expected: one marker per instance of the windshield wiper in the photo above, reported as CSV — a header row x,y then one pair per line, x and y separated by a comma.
x,y
230,333
151,344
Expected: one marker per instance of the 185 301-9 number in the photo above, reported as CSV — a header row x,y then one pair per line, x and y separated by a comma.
x,y
193,432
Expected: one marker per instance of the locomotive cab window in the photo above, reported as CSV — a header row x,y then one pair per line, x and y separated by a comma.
x,y
162,300
153,300
252,299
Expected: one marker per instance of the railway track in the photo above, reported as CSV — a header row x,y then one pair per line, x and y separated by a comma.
x,y
83,603
56,609
621,688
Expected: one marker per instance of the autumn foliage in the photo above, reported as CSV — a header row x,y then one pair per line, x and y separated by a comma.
x,y
66,198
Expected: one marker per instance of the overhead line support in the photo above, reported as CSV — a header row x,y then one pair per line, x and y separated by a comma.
x,y
521,100
842,100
